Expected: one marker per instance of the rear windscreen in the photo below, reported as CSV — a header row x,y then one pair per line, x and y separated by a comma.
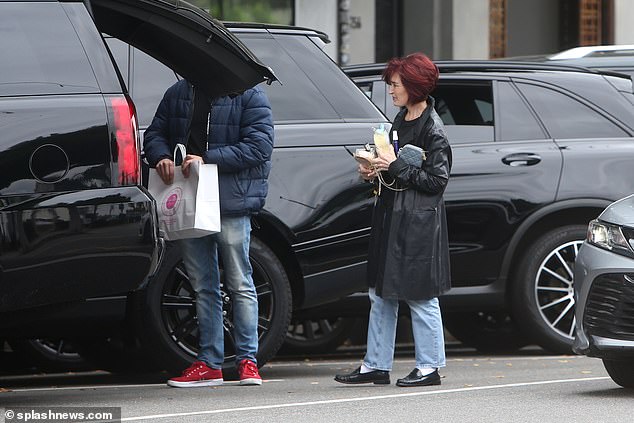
x,y
40,52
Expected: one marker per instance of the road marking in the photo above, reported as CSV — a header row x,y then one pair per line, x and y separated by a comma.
x,y
358,399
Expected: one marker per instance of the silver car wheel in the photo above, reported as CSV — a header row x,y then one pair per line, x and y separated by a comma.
x,y
554,291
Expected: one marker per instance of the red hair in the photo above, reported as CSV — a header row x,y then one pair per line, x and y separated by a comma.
x,y
418,73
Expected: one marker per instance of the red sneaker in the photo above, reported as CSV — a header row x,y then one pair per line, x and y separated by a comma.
x,y
198,374
248,372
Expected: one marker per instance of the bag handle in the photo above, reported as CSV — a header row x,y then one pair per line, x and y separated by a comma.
x,y
183,151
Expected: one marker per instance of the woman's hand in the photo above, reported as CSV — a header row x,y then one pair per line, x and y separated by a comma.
x,y
384,159
187,162
366,173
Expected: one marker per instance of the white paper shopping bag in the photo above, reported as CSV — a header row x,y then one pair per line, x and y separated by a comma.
x,y
189,207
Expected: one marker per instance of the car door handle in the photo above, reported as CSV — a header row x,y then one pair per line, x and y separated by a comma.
x,y
521,159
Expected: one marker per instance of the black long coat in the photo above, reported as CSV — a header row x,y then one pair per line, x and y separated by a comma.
x,y
409,249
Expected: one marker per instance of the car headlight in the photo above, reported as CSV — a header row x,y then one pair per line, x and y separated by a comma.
x,y
610,237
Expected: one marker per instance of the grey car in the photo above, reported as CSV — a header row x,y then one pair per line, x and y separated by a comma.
x,y
604,291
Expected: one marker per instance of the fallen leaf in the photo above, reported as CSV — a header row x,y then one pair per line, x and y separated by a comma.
x,y
468,385
586,372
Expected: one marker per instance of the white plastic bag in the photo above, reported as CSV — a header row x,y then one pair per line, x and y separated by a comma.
x,y
189,207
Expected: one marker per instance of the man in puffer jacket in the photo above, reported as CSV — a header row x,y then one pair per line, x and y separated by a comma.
x,y
235,133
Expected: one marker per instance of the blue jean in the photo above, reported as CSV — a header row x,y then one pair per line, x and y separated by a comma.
x,y
429,341
200,256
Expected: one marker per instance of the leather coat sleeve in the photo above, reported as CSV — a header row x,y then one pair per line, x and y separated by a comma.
x,y
434,175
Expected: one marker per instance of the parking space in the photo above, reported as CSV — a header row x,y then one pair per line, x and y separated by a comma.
x,y
528,386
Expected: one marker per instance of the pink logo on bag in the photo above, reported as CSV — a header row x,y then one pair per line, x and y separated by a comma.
x,y
171,201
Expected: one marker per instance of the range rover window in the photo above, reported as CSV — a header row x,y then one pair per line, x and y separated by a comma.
x,y
41,53
377,92
150,81
309,105
120,51
565,117
341,93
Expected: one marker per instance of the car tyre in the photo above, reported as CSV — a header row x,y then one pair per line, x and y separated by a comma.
x,y
485,331
543,295
166,318
118,353
621,371
50,355
317,336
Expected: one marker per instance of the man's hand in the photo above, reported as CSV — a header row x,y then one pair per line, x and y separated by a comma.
x,y
187,162
165,169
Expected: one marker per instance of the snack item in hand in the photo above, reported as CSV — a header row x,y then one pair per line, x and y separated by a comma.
x,y
364,156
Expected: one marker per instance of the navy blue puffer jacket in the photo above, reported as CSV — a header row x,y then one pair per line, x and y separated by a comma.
x,y
240,142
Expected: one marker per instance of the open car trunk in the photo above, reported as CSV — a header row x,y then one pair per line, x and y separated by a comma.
x,y
186,39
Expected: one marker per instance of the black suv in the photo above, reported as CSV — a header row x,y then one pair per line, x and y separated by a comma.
x,y
78,232
539,150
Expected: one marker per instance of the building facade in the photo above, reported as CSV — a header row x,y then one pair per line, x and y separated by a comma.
x,y
365,31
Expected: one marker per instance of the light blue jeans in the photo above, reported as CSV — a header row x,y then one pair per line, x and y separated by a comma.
x,y
200,256
429,341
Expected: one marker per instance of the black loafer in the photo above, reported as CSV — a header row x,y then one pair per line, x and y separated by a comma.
x,y
416,378
378,377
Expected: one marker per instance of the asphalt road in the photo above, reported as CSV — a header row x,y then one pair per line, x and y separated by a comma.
x,y
530,386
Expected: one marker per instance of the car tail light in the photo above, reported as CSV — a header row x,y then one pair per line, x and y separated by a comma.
x,y
126,169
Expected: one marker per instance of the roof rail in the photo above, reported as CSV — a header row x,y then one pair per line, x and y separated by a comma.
x,y
447,66
505,65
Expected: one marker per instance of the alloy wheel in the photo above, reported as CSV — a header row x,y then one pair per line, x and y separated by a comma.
x,y
178,309
554,290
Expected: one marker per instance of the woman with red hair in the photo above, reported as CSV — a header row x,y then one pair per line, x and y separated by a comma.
x,y
408,256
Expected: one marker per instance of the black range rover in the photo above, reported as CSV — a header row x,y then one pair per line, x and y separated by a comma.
x,y
78,231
